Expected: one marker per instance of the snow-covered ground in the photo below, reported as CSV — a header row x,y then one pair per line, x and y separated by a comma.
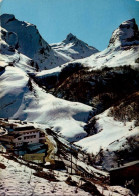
x,y
112,136
23,99
112,58
18,180
109,130
107,58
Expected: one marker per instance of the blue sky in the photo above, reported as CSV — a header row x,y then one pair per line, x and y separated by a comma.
x,y
92,21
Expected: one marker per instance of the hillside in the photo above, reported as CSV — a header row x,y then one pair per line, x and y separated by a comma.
x,y
87,100
109,82
28,41
101,79
116,131
74,48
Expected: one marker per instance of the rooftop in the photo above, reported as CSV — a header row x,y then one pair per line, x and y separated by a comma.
x,y
125,165
24,128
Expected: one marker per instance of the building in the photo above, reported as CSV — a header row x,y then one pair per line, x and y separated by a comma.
x,y
125,173
25,140
29,135
23,135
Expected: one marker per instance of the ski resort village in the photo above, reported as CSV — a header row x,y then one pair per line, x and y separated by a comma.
x,y
58,161
69,113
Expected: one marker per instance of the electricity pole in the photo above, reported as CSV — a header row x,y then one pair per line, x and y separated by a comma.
x,y
71,157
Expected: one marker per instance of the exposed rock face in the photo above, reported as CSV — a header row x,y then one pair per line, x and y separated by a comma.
x,y
10,38
70,37
126,35
31,44
30,41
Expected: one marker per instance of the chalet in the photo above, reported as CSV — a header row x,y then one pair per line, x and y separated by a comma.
x,y
22,135
24,140
125,173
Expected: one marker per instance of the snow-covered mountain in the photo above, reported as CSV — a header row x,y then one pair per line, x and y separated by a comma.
x,y
29,42
99,72
74,48
123,50
101,80
106,123
114,133
21,98
126,35
10,56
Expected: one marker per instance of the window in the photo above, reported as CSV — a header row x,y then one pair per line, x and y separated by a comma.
x,y
19,138
29,137
41,134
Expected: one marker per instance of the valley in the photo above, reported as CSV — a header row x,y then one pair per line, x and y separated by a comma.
x,y
85,101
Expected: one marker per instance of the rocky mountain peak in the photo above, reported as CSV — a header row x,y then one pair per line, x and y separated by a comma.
x,y
126,34
5,18
30,41
77,43
70,37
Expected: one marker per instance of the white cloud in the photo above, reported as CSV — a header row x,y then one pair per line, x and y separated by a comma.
x,y
0,1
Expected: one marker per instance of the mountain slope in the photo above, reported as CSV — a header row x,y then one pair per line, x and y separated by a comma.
x,y
10,56
74,48
126,35
114,133
23,99
30,43
101,79
123,50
